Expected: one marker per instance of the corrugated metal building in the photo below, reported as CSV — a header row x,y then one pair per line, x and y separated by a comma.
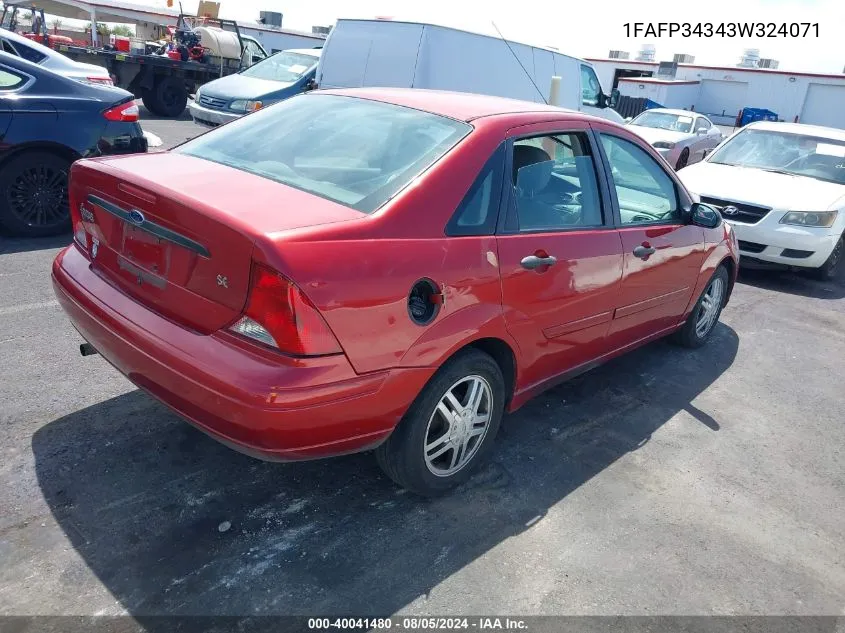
x,y
721,92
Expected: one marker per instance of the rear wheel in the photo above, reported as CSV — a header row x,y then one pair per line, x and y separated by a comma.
x,y
705,314
830,268
168,98
33,194
683,159
449,428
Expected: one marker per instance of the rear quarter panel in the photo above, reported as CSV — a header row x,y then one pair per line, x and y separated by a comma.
x,y
359,274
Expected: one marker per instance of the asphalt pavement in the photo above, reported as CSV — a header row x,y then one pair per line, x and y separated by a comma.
x,y
668,481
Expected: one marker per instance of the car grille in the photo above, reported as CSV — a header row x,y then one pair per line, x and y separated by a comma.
x,y
746,213
212,102
751,247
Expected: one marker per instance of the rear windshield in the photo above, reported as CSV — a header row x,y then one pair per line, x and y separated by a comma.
x,y
356,152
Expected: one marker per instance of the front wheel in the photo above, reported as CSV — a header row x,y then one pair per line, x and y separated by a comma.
x,y
830,268
449,428
705,314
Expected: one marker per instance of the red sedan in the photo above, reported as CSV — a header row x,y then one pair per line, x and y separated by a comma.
x,y
385,269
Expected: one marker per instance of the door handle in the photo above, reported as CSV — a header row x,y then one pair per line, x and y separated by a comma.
x,y
644,251
532,261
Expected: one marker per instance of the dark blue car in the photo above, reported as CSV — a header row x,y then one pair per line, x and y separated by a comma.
x,y
47,121
274,79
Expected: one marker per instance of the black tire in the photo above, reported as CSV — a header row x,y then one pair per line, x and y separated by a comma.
x,y
168,98
830,269
33,194
402,455
683,159
148,98
690,335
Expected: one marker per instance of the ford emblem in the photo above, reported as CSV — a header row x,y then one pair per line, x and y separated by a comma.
x,y
730,210
136,217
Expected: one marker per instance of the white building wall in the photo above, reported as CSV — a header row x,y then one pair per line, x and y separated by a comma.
x,y
641,90
778,91
683,96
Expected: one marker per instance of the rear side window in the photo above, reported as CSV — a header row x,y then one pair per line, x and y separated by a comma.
x,y
30,54
478,211
356,152
10,80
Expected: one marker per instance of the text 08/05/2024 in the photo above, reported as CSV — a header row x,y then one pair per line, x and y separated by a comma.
x,y
721,29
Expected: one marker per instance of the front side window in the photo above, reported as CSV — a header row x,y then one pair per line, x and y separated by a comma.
x,y
782,152
286,67
590,86
702,124
8,48
646,193
355,152
555,184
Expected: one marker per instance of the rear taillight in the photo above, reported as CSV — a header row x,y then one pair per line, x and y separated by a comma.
x,y
127,112
280,316
98,81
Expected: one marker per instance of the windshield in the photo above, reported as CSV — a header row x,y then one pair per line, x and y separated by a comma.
x,y
664,121
356,152
284,66
798,154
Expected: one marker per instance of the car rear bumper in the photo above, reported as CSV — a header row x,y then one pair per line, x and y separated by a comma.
x,y
785,244
264,404
206,116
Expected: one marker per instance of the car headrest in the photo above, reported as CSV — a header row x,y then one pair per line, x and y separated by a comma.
x,y
532,168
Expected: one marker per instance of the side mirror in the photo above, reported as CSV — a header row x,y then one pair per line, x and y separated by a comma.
x,y
701,131
311,84
705,215
613,100
628,119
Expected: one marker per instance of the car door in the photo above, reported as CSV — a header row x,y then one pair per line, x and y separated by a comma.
x,y
560,257
663,253
703,139
12,82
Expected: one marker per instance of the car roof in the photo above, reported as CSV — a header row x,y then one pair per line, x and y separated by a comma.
x,y
799,128
463,106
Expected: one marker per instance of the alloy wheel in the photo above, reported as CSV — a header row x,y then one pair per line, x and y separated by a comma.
x,y
38,195
458,425
708,311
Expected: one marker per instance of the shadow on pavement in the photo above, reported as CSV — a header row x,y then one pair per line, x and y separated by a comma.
x,y
9,245
173,523
795,283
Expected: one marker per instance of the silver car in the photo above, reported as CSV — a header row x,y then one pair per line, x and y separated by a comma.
x,y
682,137
36,53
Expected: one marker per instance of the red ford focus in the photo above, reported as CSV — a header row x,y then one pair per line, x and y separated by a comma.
x,y
387,269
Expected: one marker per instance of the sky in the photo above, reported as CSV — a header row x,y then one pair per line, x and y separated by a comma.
x,y
590,28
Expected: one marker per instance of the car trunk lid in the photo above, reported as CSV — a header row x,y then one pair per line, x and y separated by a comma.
x,y
177,233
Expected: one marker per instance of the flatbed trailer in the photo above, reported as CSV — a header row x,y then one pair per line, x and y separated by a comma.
x,y
164,84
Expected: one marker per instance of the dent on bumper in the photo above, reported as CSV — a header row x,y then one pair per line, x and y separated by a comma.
x,y
268,406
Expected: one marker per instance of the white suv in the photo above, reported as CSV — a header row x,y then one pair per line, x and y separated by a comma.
x,y
782,187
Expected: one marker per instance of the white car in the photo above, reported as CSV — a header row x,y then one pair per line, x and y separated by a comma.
x,y
782,187
36,53
680,136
